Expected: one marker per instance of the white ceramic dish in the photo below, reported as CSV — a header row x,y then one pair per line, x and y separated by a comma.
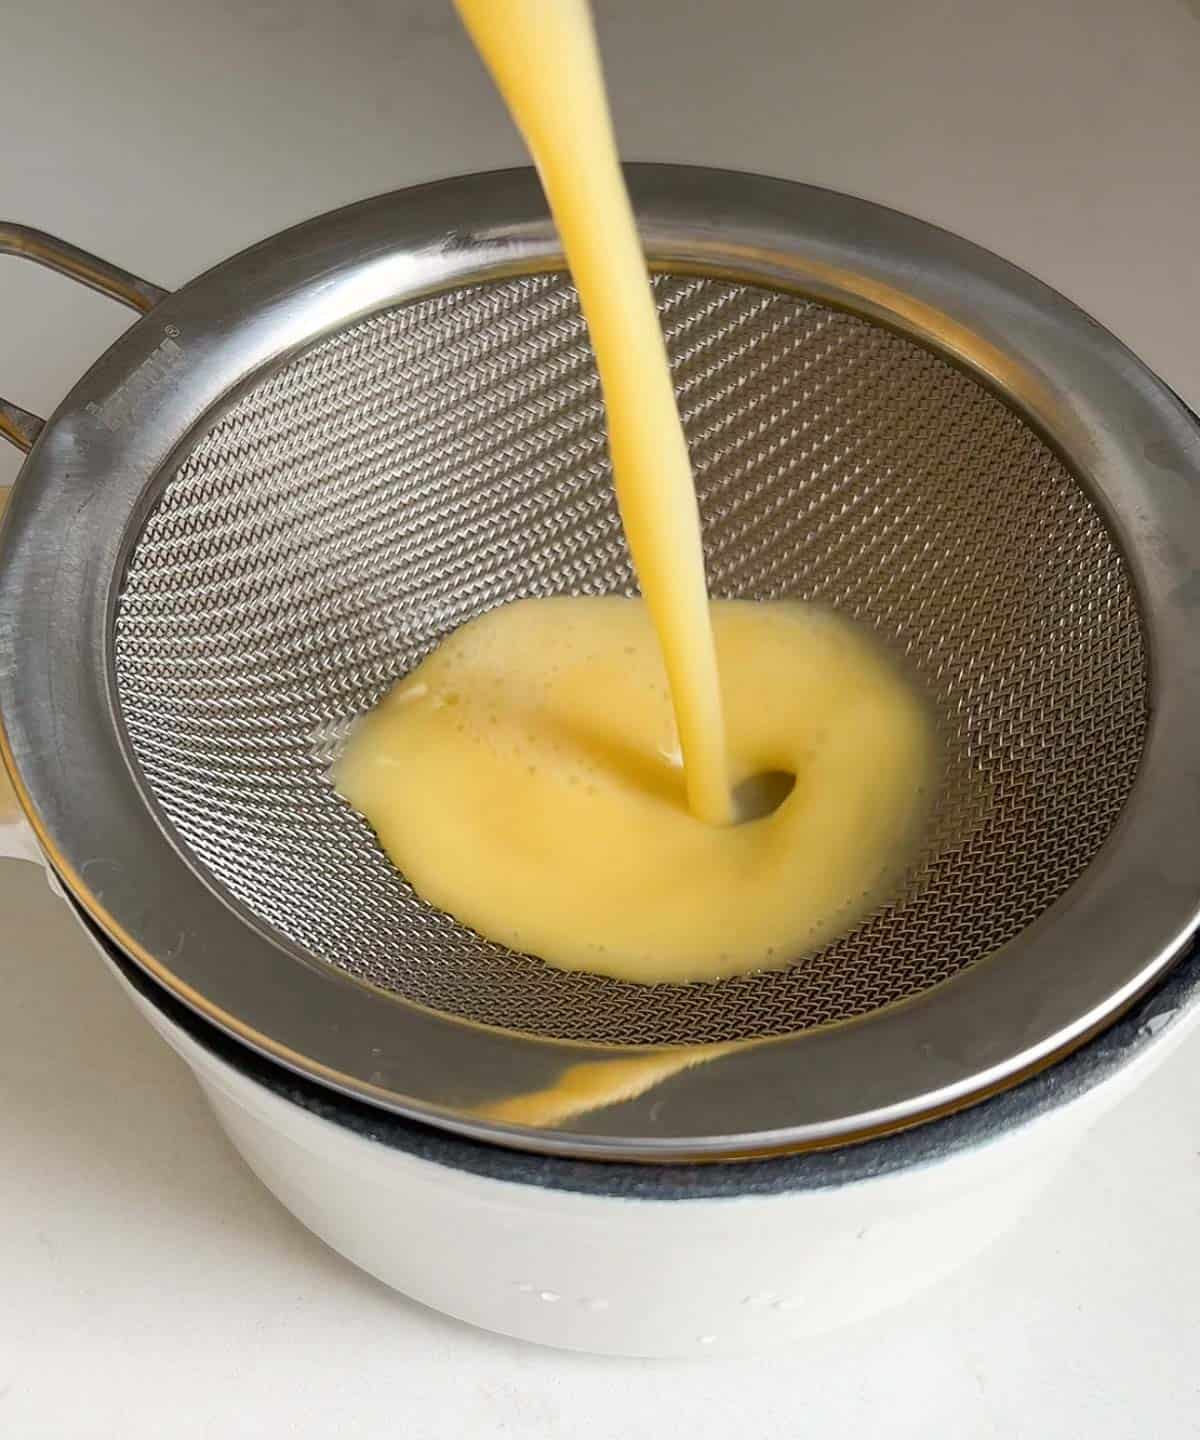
x,y
659,1260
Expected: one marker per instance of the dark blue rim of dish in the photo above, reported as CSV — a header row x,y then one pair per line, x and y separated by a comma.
x,y
1100,1058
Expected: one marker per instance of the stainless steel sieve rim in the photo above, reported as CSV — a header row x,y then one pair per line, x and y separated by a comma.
x,y
83,492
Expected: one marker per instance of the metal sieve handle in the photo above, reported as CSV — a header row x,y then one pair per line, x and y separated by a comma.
x,y
21,426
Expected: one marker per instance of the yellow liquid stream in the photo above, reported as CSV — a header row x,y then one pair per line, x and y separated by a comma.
x,y
557,774
543,57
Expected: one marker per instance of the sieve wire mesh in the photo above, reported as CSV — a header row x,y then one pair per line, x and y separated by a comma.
x,y
448,455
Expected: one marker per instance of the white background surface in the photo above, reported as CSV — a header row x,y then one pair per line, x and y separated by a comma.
x,y
148,1285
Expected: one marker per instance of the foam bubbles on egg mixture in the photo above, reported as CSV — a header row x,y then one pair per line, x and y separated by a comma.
x,y
544,804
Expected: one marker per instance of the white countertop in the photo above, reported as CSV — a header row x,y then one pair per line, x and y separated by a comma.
x,y
150,1287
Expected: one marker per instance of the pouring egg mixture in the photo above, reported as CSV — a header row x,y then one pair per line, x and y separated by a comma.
x,y
656,789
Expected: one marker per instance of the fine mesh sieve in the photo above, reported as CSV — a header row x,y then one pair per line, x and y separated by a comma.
x,y
280,488
428,463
